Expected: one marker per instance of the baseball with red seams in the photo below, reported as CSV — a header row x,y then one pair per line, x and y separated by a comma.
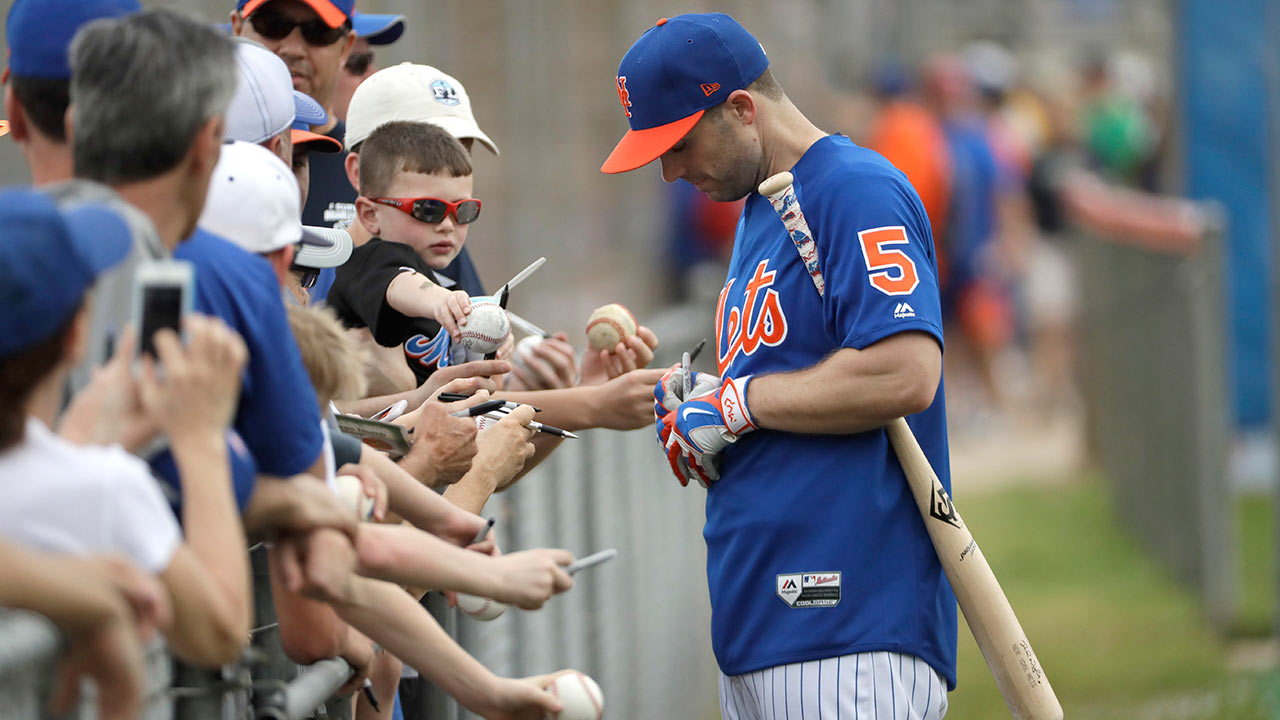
x,y
487,326
480,608
609,325
580,696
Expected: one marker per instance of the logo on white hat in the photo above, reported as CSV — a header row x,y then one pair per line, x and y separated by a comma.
x,y
444,93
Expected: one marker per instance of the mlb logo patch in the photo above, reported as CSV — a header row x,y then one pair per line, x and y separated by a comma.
x,y
810,589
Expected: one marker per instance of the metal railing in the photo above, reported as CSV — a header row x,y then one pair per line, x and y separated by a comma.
x,y
1153,329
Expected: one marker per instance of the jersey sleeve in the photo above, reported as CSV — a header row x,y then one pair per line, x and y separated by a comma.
x,y
141,524
876,254
359,293
279,419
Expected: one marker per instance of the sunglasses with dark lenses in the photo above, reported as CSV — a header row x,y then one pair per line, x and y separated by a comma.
x,y
275,26
309,276
435,210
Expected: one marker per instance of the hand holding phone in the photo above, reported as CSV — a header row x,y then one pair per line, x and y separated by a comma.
x,y
162,297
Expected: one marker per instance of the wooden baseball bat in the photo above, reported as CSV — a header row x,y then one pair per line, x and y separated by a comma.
x,y
991,619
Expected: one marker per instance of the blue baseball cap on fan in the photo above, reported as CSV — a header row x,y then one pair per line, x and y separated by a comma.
x,y
39,32
378,29
678,69
49,258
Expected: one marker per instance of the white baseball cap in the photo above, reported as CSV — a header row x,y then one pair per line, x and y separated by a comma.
x,y
412,93
265,103
254,202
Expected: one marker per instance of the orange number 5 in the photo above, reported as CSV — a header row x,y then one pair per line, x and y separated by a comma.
x,y
890,271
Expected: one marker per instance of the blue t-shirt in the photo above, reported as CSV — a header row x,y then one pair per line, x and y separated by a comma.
x,y
815,548
278,416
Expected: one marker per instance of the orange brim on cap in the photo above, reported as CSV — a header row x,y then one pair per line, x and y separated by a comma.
x,y
323,143
641,147
328,12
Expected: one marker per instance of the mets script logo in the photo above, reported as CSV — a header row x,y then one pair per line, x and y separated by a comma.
x,y
433,353
623,95
758,321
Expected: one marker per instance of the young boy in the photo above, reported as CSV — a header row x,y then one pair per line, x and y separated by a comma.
x,y
416,186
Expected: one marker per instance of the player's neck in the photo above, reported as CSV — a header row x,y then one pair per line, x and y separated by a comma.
x,y
49,161
47,397
788,135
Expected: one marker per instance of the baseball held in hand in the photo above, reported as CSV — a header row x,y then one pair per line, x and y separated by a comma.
x,y
524,350
580,696
480,608
487,326
609,325
351,494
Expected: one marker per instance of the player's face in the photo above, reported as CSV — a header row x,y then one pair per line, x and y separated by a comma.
x,y
717,157
314,68
436,243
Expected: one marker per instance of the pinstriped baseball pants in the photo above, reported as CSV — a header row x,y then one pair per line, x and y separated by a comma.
x,y
861,686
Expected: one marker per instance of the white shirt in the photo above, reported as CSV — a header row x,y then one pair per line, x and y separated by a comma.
x,y
62,497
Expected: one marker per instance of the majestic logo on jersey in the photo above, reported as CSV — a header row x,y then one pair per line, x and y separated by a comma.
x,y
623,95
758,321
903,310
433,353
810,590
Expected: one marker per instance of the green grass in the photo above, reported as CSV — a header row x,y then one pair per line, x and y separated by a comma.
x,y
1116,636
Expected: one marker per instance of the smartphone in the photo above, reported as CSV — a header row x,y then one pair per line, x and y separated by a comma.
x,y
162,296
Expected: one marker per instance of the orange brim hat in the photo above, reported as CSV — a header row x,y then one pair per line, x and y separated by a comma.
x,y
331,14
319,143
641,147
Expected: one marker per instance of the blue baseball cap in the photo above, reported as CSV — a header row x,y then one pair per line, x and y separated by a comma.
x,y
678,69
48,260
39,32
378,29
332,12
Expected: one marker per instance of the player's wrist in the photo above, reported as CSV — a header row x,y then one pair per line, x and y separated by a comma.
x,y
733,404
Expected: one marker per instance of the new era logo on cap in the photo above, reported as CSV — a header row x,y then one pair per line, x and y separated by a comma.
x,y
678,69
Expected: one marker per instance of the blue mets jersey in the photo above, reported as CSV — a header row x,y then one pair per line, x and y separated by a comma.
x,y
815,548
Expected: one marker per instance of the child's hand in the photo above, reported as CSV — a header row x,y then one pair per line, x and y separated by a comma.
x,y
452,310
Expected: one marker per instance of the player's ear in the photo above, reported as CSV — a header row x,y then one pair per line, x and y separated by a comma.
x,y
741,106
367,211
352,165
16,113
237,22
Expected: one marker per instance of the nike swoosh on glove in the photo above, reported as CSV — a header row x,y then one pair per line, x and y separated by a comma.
x,y
705,425
667,396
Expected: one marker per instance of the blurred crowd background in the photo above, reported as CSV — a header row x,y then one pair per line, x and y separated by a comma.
x,y
1101,178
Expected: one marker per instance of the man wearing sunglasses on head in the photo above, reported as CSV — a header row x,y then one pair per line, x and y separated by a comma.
x,y
314,38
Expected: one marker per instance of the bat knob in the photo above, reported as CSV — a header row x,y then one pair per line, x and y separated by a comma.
x,y
775,183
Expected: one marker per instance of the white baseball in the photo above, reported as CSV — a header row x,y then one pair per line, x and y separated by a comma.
x,y
609,325
580,696
351,495
524,349
487,327
480,608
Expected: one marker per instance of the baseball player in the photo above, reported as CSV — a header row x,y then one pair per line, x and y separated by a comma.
x,y
827,597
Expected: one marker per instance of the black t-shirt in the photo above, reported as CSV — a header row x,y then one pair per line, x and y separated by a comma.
x,y
359,298
331,202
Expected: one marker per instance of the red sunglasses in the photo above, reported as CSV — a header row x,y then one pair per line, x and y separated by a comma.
x,y
435,210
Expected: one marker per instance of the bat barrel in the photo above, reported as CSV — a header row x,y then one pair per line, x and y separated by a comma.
x,y
995,627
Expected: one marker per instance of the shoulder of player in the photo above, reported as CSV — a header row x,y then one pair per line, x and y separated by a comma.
x,y
215,256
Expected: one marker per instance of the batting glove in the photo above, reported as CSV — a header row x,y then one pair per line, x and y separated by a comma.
x,y
704,425
669,393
